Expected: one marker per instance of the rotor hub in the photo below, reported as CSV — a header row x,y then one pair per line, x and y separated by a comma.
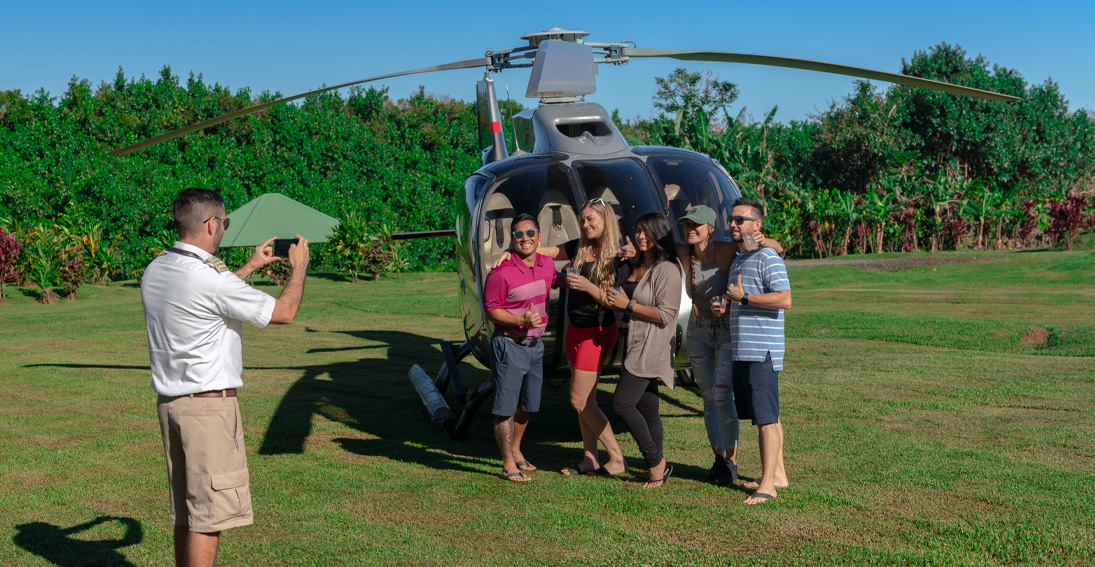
x,y
559,34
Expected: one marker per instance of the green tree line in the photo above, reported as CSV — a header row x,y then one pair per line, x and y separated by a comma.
x,y
903,169
898,169
397,163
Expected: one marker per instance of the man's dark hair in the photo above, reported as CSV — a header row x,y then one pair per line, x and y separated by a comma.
x,y
522,218
658,232
192,207
758,209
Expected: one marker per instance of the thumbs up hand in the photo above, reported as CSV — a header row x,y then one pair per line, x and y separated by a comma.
x,y
735,291
627,250
531,319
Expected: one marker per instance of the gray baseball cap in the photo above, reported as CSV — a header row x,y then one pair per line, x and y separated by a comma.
x,y
700,214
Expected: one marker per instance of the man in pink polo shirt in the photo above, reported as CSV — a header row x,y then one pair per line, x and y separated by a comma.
x,y
516,296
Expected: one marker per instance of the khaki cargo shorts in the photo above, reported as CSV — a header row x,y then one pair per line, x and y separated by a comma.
x,y
206,462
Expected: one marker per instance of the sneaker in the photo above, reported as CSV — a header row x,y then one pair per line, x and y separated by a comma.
x,y
716,468
727,473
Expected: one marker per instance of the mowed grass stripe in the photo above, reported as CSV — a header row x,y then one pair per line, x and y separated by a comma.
x,y
918,433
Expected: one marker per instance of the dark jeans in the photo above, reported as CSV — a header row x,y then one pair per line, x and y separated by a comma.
x,y
636,401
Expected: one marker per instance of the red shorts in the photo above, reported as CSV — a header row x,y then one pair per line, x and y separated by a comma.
x,y
588,349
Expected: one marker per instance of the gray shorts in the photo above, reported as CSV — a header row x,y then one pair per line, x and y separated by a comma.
x,y
518,376
756,390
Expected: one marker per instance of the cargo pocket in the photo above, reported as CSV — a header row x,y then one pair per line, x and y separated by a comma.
x,y
231,497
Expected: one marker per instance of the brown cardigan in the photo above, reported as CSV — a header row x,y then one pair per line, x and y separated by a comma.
x,y
650,345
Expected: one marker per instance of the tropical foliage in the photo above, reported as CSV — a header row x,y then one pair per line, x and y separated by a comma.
x,y
898,169
909,169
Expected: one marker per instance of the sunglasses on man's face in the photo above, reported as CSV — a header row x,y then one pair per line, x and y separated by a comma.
x,y
517,234
739,220
224,221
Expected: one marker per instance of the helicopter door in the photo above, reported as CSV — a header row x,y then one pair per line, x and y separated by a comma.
x,y
498,213
558,223
541,188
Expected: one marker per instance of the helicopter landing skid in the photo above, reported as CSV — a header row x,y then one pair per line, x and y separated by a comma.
x,y
432,391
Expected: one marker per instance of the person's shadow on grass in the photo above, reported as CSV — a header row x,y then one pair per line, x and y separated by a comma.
x,y
55,544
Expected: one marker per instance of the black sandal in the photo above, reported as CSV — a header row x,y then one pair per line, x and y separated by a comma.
x,y
665,477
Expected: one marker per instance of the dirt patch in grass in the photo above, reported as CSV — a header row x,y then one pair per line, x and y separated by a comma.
x,y
885,264
1036,336
44,480
938,505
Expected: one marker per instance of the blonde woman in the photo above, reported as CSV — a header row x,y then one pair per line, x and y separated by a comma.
x,y
592,331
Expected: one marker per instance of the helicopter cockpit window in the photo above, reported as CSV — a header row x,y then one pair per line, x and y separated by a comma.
x,y
691,182
623,184
542,190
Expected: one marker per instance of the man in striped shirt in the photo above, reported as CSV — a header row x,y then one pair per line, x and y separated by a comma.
x,y
760,290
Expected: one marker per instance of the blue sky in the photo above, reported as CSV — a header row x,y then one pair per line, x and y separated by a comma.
x,y
295,46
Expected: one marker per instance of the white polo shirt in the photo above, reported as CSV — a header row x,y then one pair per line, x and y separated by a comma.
x,y
195,317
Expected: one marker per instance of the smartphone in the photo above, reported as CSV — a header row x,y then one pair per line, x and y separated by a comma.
x,y
281,246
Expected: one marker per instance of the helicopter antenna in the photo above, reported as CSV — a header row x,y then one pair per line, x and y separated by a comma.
x,y
516,142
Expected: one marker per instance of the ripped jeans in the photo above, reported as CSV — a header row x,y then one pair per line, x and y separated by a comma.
x,y
709,352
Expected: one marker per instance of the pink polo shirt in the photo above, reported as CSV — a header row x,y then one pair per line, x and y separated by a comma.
x,y
514,286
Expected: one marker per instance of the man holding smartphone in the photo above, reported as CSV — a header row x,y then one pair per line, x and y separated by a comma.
x,y
195,309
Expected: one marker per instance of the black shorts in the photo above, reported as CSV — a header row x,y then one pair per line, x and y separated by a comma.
x,y
518,376
756,390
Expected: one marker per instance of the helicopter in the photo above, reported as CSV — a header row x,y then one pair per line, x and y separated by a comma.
x,y
568,151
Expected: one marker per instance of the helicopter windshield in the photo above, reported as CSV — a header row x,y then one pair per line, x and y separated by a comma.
x,y
623,184
690,182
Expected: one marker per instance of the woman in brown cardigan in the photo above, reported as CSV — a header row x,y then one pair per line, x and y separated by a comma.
x,y
653,307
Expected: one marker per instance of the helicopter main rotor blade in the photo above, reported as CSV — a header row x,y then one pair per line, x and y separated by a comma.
x,y
806,64
466,64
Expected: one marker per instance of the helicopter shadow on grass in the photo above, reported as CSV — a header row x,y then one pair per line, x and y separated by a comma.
x,y
374,396
56,544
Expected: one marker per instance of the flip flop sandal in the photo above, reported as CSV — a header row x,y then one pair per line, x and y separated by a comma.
x,y
576,470
515,475
764,497
600,471
665,478
532,467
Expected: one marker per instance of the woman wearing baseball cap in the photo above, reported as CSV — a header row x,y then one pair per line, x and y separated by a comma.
x,y
707,263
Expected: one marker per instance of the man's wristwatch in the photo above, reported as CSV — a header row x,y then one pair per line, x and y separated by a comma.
x,y
745,298
630,307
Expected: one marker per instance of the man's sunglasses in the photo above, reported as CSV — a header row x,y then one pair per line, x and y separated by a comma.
x,y
224,221
517,234
739,220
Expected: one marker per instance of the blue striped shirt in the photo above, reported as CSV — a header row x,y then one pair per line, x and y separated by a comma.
x,y
758,330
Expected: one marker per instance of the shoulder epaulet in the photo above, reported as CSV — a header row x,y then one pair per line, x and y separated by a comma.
x,y
217,264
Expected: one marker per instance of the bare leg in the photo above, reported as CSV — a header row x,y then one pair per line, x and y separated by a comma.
x,y
520,423
781,472
602,431
193,549
780,478
582,382
503,434
769,454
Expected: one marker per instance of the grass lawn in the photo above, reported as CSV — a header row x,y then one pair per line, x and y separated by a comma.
x,y
936,413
